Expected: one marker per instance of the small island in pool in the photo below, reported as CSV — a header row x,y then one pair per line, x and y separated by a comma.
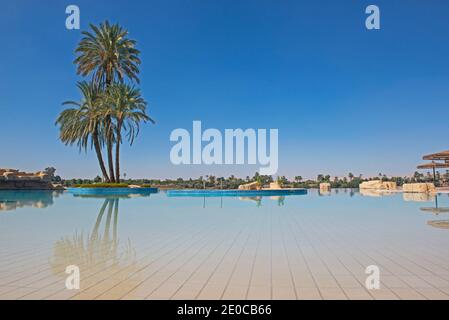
x,y
110,188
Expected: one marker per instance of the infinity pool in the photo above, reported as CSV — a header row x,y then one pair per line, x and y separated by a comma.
x,y
312,246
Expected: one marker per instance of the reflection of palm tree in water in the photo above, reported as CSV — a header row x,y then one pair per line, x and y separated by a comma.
x,y
106,243
98,251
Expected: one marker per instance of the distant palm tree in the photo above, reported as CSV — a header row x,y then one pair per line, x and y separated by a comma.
x,y
127,107
83,124
109,56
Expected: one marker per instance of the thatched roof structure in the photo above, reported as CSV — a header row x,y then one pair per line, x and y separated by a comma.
x,y
434,165
443,155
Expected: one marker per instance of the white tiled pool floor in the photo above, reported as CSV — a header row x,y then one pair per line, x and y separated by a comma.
x,y
274,253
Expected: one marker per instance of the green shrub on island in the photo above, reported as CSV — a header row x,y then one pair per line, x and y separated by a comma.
x,y
102,185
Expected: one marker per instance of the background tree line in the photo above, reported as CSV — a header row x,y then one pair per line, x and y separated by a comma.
x,y
232,182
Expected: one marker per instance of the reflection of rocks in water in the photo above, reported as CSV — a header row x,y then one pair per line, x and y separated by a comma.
x,y
375,193
12,200
369,193
417,197
279,199
258,199
97,251
440,224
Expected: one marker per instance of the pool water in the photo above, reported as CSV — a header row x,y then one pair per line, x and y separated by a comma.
x,y
310,246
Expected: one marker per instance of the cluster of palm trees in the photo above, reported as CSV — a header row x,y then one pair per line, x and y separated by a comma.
x,y
111,107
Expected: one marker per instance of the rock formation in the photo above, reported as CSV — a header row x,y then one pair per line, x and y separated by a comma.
x,y
275,186
11,179
419,187
378,185
250,186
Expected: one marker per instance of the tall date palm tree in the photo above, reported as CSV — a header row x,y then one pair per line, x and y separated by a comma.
x,y
109,109
109,56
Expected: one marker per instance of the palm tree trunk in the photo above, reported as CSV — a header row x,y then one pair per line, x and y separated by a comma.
x,y
109,147
110,159
117,152
99,156
109,144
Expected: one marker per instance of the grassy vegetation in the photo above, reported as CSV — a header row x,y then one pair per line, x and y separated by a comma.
x,y
102,185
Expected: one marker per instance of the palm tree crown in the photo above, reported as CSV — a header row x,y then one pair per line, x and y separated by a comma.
x,y
108,55
128,108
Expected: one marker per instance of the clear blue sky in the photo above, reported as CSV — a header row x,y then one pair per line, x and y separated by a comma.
x,y
343,98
